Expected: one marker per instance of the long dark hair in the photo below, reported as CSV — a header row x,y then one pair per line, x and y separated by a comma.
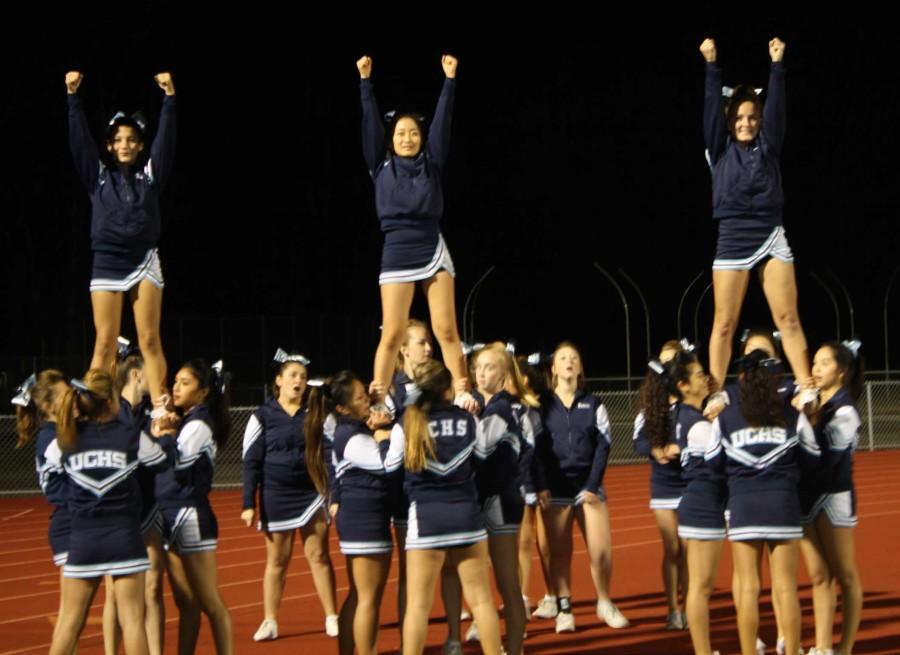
x,y
218,398
661,382
323,400
850,363
758,380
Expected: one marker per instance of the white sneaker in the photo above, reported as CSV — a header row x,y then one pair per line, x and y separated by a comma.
x,y
565,622
819,651
546,608
676,621
267,631
465,615
607,611
452,647
331,625
527,603
472,632
760,647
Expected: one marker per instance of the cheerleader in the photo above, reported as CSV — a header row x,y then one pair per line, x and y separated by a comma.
x,y
364,509
100,449
288,470
828,497
436,444
200,395
744,142
406,168
36,404
125,225
654,438
571,460
759,443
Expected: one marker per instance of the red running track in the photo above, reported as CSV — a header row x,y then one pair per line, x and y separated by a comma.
x,y
29,582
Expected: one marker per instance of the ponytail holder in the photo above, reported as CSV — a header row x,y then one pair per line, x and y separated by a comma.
x,y
469,348
23,397
853,346
222,377
80,387
413,393
282,357
656,366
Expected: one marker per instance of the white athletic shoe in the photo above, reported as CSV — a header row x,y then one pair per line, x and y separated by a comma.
x,y
565,622
267,631
472,632
546,608
819,651
527,603
607,611
331,625
760,647
453,647
465,615
676,621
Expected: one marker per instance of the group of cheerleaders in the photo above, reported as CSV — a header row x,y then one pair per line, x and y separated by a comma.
x,y
462,466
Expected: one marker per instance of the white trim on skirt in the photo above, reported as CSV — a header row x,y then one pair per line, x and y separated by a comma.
x,y
440,260
775,245
149,269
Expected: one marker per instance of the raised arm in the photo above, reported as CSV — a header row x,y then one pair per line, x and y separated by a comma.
x,y
162,152
372,125
715,132
439,131
84,149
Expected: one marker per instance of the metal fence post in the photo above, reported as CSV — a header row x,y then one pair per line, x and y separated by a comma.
x,y
870,418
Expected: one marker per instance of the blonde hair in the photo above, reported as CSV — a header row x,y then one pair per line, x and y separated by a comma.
x,y
433,380
81,406
514,377
42,394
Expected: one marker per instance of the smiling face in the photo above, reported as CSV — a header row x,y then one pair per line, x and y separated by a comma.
x,y
125,145
746,122
696,387
358,405
407,137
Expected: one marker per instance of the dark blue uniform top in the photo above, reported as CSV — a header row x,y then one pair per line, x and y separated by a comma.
x,y
667,476
101,468
407,190
697,434
837,432
51,475
140,415
761,458
188,482
746,181
274,451
529,420
359,462
575,442
500,445
125,217
450,475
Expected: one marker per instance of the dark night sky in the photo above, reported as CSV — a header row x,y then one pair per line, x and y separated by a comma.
x,y
568,147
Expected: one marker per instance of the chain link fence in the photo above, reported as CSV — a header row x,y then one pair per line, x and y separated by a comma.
x,y
879,409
